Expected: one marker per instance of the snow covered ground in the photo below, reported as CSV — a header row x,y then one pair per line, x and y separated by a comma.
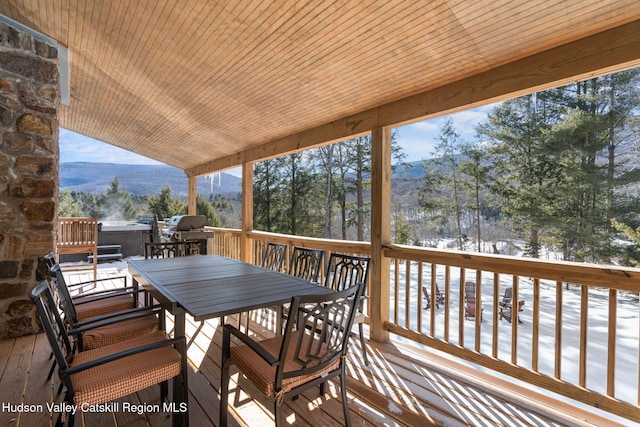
x,y
627,330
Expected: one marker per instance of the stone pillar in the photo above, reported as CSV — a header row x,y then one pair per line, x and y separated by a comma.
x,y
29,98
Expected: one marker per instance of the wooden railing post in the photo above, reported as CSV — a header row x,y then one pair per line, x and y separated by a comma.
x,y
191,207
246,251
380,232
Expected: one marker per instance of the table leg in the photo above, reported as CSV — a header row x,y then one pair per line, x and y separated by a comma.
x,y
180,384
136,288
279,320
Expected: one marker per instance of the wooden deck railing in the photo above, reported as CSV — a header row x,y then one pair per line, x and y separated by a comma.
x,y
578,334
78,236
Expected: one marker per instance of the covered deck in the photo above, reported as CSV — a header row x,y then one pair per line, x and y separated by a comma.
x,y
405,385
210,85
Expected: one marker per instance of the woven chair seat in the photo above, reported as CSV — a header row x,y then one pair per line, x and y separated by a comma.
x,y
122,377
262,375
102,307
120,331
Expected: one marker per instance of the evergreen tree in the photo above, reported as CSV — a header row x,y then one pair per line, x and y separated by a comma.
x,y
597,122
299,212
632,252
165,205
203,207
68,205
92,205
402,230
117,203
526,177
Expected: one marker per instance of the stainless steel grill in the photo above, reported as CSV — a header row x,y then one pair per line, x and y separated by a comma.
x,y
182,228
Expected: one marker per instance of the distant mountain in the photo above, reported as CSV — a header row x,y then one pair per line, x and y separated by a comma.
x,y
140,179
410,171
88,177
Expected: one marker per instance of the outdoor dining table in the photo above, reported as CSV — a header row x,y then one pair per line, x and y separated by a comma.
x,y
210,286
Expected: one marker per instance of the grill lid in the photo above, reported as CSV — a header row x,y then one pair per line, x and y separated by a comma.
x,y
186,222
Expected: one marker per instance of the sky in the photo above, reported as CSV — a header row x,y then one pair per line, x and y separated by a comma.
x,y
417,141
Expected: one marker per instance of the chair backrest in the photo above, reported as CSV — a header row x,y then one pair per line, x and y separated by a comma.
x,y
470,290
62,295
317,332
425,293
52,323
50,260
171,249
344,271
306,263
508,296
273,256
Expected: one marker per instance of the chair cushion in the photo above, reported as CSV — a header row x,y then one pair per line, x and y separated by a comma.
x,y
103,306
124,376
263,376
119,331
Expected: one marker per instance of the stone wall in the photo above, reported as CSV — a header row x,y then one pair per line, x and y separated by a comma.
x,y
29,97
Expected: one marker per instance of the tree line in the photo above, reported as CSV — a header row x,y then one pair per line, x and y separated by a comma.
x,y
117,204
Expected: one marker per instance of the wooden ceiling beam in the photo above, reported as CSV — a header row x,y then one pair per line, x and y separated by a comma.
x,y
603,53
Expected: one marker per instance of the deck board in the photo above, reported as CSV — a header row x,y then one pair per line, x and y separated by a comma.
x,y
403,386
38,389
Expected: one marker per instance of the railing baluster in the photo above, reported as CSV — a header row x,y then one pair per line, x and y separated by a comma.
x,y
584,317
420,296
611,354
535,327
478,319
557,370
461,310
494,317
447,299
514,321
434,300
407,294
396,292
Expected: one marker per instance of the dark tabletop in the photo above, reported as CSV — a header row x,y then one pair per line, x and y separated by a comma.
x,y
209,286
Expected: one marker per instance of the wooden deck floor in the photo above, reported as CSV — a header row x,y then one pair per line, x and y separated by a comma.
x,y
403,386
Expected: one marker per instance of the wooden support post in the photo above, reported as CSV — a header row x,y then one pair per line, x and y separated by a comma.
x,y
191,208
379,289
247,212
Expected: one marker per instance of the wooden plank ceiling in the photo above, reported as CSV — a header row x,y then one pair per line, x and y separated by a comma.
x,y
187,82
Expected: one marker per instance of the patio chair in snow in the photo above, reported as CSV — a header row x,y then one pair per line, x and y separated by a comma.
x,y
506,307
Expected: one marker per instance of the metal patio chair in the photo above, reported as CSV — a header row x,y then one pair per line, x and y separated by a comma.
x,y
311,351
344,271
110,372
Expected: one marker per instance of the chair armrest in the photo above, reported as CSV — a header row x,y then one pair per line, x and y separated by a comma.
x,y
104,279
100,295
253,345
122,354
109,319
